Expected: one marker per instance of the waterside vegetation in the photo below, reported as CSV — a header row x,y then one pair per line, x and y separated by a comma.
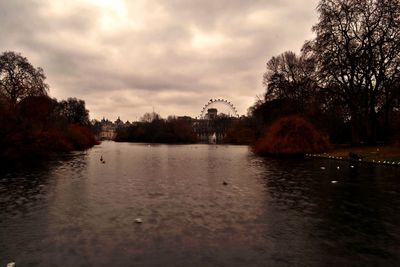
x,y
343,88
153,129
33,125
375,154
346,81
292,135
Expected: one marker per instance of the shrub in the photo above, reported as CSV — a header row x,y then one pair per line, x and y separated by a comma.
x,y
239,134
54,140
292,135
80,137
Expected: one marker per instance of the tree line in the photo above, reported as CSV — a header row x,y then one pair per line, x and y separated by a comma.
x,y
153,129
344,84
346,80
31,123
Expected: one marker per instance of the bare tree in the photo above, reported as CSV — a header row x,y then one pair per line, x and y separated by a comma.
x,y
289,76
19,79
74,111
357,50
150,117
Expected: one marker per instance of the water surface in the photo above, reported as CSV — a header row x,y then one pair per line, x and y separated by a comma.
x,y
76,211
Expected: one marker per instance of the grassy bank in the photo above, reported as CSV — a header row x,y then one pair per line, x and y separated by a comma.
x,y
374,154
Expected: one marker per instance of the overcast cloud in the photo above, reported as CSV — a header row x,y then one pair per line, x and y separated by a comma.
x,y
125,58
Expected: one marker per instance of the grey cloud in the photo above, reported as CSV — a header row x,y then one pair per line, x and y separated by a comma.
x,y
128,70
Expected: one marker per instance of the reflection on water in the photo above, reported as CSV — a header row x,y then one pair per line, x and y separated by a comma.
x,y
77,211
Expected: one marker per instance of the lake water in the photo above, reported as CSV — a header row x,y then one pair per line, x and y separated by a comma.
x,y
76,211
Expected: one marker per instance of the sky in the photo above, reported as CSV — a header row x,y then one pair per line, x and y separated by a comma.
x,y
126,58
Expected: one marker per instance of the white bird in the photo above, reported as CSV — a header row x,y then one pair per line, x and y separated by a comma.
x,y
351,166
138,220
323,168
338,167
334,182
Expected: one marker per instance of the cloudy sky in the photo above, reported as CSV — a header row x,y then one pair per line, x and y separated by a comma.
x,y
125,58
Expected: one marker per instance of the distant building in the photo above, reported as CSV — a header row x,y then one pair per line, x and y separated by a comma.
x,y
109,129
107,133
119,122
213,128
212,113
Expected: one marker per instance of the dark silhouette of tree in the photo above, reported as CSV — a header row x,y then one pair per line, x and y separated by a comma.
x,y
37,114
242,132
35,128
96,126
19,79
357,50
74,111
291,88
32,125
289,76
150,117
347,79
154,129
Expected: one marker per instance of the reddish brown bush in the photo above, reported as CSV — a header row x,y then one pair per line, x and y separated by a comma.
x,y
292,135
54,140
80,137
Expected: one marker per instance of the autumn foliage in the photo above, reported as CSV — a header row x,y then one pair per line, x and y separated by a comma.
x,y
33,125
36,127
292,135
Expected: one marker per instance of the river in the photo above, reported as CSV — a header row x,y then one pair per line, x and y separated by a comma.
x,y
77,211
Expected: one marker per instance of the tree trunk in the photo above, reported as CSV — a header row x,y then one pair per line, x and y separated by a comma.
x,y
355,134
371,128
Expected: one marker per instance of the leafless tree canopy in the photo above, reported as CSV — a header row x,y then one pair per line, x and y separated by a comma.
x,y
19,79
358,55
290,76
354,61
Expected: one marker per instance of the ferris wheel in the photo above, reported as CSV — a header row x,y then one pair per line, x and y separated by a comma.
x,y
222,105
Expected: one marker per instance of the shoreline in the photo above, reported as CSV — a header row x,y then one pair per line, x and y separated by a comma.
x,y
383,155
